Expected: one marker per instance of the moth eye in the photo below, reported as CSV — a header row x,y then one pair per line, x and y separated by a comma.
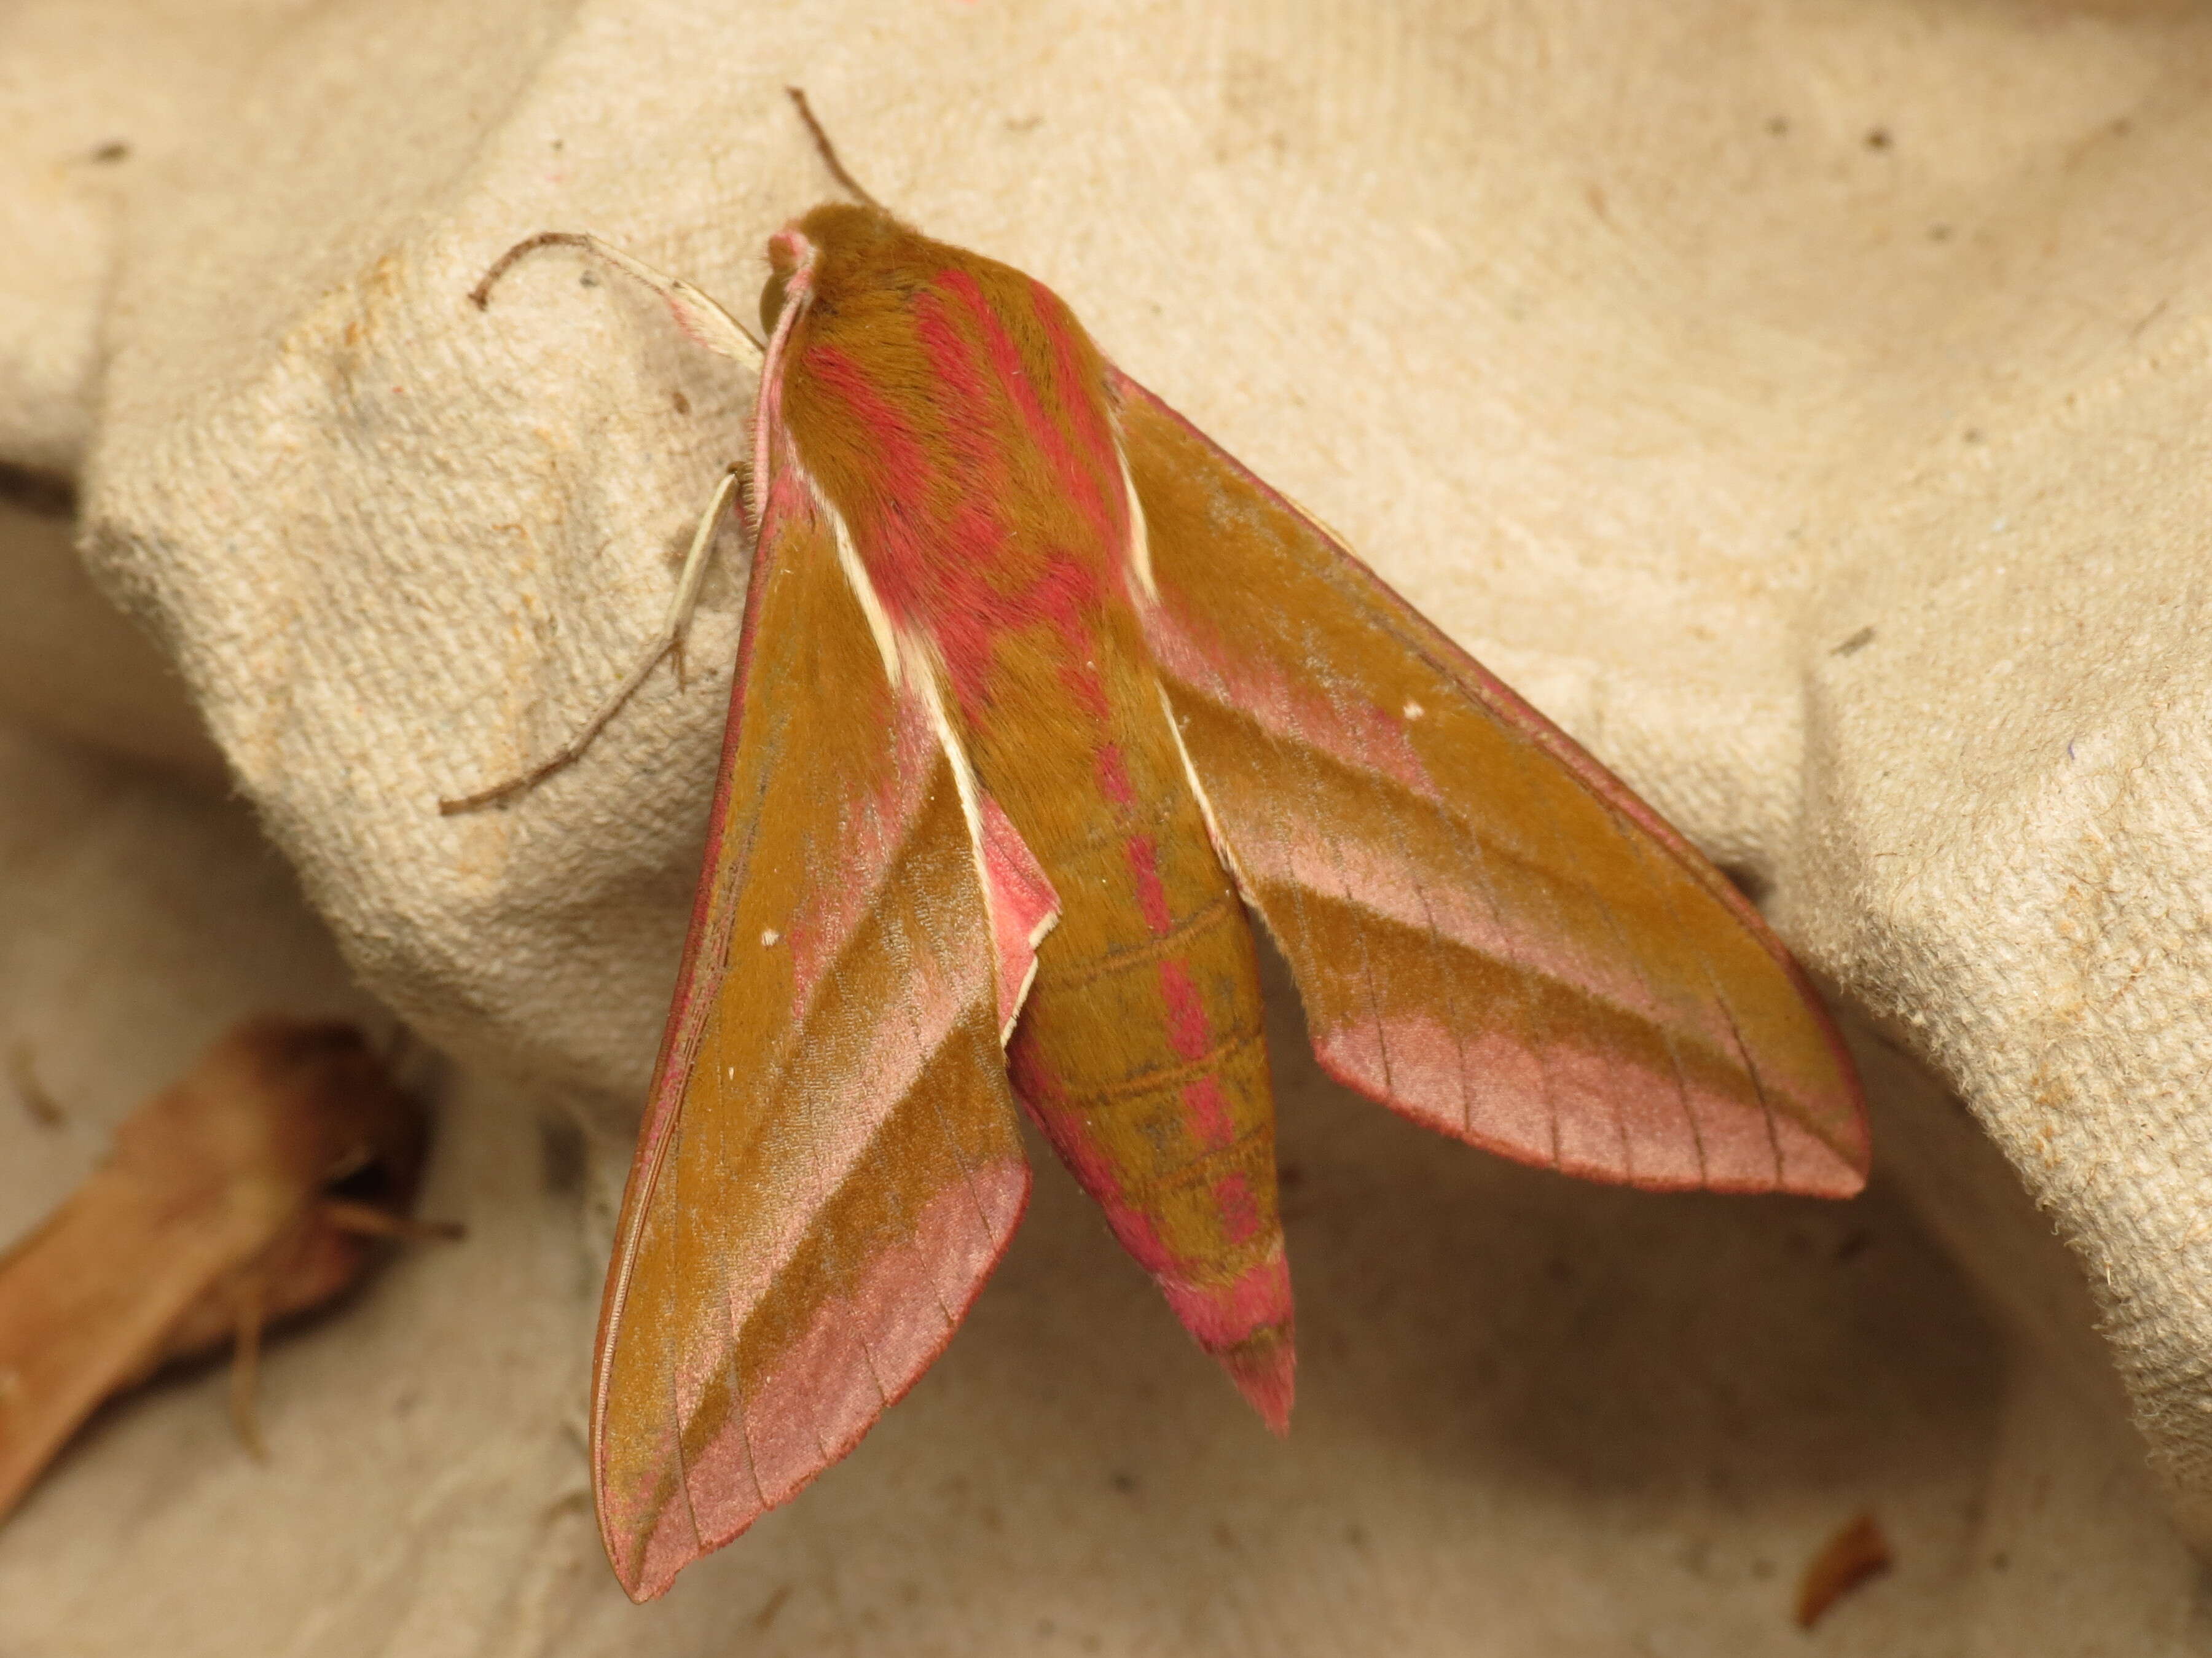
x,y
772,300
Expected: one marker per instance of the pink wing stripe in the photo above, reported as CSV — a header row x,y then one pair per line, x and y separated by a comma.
x,y
859,1087
857,1354
1389,888
1372,739
1023,906
1005,373
819,933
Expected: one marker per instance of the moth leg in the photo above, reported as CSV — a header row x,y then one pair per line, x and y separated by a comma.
x,y
246,1367
669,639
704,322
694,574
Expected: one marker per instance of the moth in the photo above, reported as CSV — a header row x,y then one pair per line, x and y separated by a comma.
x,y
1040,695
248,1190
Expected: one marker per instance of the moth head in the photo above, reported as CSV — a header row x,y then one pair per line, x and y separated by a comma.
x,y
840,236
787,251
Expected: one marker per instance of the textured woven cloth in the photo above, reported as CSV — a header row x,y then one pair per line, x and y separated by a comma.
x,y
1802,404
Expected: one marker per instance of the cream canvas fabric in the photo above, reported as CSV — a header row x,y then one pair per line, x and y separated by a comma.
x,y
1803,402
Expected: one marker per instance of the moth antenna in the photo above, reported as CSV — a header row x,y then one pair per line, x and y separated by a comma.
x,y
670,638
703,320
829,153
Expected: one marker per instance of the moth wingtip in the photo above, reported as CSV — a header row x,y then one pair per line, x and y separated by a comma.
x,y
1814,1166
644,1574
644,1552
